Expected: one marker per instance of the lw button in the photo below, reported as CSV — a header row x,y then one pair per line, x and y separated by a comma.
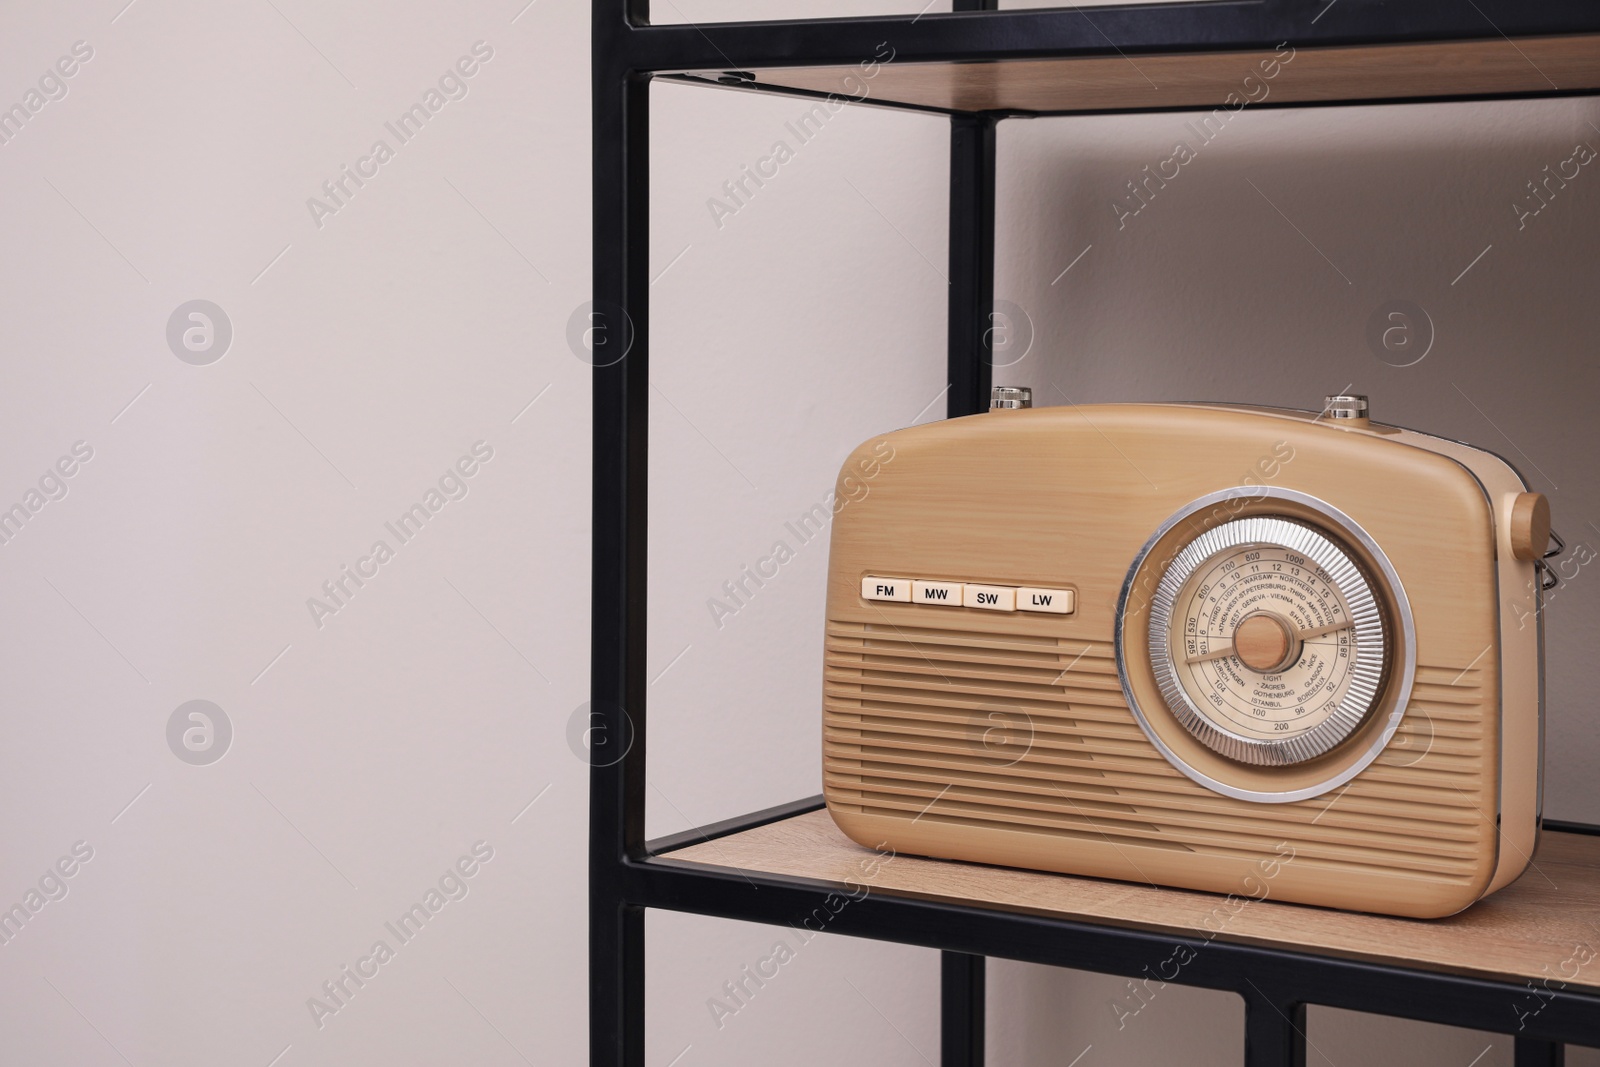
x,y
886,589
941,594
1054,601
992,597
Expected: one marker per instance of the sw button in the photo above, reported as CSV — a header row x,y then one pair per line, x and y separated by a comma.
x,y
993,597
1054,601
942,594
886,589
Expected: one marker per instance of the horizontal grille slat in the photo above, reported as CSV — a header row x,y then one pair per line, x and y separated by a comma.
x,y
1440,793
1093,656
1104,827
886,652
1333,826
1437,735
1097,813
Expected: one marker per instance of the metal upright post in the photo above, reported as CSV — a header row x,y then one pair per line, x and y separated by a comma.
x,y
1274,1033
971,262
962,981
971,301
619,329
1532,1053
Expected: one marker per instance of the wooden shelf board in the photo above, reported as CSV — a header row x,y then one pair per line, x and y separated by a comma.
x,y
1490,67
1526,931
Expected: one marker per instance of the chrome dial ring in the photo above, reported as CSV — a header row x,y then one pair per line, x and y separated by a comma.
x,y
1355,669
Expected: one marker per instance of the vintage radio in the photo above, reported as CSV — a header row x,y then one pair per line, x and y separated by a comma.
x,y
1243,650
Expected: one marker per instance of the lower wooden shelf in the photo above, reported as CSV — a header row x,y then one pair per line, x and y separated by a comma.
x,y
1543,928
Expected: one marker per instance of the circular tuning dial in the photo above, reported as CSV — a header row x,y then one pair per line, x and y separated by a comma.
x,y
1267,641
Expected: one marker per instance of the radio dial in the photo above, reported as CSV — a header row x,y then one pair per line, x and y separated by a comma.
x,y
1267,641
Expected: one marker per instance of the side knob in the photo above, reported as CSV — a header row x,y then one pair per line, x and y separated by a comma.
x,y
1529,525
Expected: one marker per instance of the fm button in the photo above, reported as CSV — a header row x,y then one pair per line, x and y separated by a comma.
x,y
886,589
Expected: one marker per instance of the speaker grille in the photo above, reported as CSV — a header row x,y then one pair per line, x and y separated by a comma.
x,y
1028,734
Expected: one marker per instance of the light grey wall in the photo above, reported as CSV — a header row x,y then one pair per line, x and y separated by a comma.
x,y
433,710
367,356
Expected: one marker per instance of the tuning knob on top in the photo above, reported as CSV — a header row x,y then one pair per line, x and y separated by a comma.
x,y
1010,397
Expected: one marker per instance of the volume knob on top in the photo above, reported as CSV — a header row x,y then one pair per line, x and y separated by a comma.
x,y
1349,409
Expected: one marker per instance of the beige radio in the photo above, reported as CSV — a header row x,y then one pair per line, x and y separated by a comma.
x,y
1232,649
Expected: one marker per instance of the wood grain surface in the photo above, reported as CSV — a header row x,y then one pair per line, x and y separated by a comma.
x,y
1453,68
1533,929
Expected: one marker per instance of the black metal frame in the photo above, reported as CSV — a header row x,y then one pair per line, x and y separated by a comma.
x,y
627,874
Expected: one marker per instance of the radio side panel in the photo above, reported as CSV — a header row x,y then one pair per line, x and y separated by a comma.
x,y
1521,663
1005,737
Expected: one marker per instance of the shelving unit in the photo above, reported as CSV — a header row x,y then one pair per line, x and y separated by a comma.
x,y
1505,965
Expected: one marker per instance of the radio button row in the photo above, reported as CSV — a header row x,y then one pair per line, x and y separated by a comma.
x,y
966,594
992,597
941,594
1054,601
886,589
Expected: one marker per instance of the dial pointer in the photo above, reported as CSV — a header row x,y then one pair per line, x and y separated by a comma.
x,y
1302,635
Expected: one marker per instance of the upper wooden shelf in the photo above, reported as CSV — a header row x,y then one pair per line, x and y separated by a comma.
x,y
1497,66
1525,931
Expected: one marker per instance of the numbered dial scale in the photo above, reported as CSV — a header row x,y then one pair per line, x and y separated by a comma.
x,y
1267,641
